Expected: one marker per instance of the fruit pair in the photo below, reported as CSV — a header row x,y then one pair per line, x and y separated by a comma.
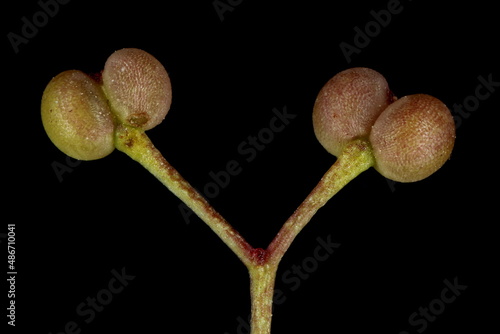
x,y
80,114
411,137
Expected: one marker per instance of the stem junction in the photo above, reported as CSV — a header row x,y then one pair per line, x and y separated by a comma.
x,y
262,264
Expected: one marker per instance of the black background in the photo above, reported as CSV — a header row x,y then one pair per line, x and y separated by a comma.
x,y
399,242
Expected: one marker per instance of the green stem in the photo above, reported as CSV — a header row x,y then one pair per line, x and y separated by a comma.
x,y
355,159
137,145
262,264
262,279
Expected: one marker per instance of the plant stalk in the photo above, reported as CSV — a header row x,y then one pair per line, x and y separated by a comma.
x,y
356,158
262,279
262,264
137,145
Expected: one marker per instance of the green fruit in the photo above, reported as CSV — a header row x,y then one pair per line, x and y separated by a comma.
x,y
76,116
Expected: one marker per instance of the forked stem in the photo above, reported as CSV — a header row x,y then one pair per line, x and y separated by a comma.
x,y
356,158
262,264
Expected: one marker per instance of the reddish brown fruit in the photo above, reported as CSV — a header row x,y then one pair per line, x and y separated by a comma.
x,y
348,105
412,138
138,88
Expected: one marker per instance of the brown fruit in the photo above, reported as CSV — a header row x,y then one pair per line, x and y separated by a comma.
x,y
347,107
138,88
412,138
76,116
